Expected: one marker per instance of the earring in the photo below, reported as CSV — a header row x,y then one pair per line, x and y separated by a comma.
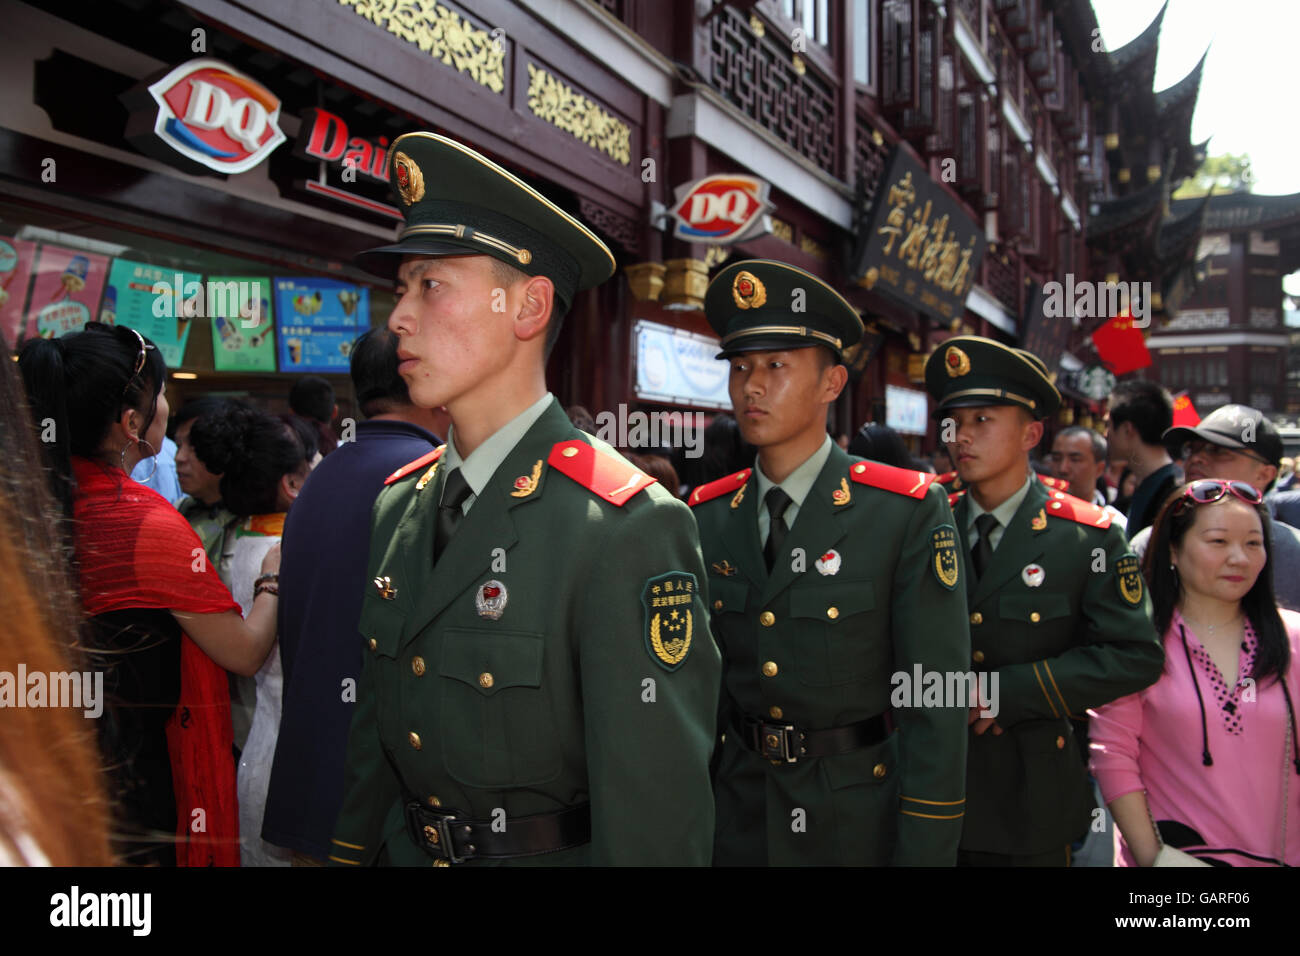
x,y
152,456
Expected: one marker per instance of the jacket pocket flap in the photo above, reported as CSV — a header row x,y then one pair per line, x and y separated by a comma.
x,y
1023,607
492,661
727,596
382,622
832,602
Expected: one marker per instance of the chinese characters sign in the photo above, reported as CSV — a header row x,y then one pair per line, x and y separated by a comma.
x,y
919,245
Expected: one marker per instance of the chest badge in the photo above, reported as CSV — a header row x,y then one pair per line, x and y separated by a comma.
x,y
726,569
385,587
1033,575
490,600
829,563
525,485
841,495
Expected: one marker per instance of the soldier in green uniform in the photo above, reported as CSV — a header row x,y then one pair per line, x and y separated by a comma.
x,y
1057,606
836,589
539,683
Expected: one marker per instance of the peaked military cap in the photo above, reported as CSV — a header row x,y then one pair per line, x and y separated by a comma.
x,y
751,305
970,370
458,203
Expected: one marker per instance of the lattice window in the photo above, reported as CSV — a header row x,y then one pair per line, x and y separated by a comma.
x,y
869,161
1003,283
896,52
760,79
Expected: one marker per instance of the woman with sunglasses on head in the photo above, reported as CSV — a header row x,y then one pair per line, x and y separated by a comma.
x,y
161,625
1203,767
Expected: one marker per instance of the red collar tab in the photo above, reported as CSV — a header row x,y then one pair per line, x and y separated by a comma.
x,y
723,486
611,479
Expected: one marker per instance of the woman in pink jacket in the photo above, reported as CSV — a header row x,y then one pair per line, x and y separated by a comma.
x,y
1203,767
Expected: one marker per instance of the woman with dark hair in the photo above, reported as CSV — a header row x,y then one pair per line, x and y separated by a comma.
x,y
1127,485
264,461
1203,767
161,621
881,443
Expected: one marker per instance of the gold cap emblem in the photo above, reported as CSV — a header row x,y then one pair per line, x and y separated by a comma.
x,y
410,181
748,291
956,362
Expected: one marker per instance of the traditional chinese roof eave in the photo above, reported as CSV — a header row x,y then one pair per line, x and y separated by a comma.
x,y
1142,207
1136,60
1179,236
1242,210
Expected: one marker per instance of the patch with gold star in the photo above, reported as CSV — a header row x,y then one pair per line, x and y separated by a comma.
x,y
1128,576
944,559
669,600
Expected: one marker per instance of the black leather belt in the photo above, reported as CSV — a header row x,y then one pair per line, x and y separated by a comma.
x,y
449,836
788,743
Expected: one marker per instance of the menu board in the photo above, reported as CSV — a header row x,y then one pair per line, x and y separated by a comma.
x,y
243,334
317,321
16,257
65,292
164,316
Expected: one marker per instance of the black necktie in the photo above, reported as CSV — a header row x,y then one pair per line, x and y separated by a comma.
x,y
777,501
454,492
983,549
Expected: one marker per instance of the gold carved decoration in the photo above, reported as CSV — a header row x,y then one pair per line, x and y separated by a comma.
x,y
782,230
813,248
441,33
562,107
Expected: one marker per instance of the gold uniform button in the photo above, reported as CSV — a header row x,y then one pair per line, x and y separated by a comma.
x,y
772,740
373,643
767,619
441,863
417,665
1060,743
717,605
1035,617
1056,504
879,771
977,618
485,680
978,657
770,669
414,738
435,802
776,713
832,612
569,452
859,468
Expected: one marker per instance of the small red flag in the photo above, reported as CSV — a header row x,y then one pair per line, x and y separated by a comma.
x,y
1185,412
1120,346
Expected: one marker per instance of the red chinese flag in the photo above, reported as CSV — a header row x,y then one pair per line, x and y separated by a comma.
x,y
1185,412
1120,346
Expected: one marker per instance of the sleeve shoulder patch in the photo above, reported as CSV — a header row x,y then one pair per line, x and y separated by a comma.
x,y
1128,576
715,489
609,478
901,481
1062,505
943,555
411,468
669,602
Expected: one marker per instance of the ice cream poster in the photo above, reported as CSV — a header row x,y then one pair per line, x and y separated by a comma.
x,y
15,270
243,336
317,320
157,301
65,293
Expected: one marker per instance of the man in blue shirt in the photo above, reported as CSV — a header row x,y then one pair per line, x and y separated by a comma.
x,y
324,552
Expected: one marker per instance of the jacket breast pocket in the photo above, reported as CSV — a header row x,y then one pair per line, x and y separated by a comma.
x,y
727,596
496,722
833,643
381,625
1034,608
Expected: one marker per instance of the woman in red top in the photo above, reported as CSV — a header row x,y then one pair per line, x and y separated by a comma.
x,y
160,622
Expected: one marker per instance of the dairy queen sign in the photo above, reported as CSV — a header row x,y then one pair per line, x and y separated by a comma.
x,y
722,209
212,115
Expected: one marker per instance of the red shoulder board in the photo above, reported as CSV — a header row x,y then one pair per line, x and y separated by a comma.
x,y
946,477
1060,484
613,480
901,481
723,486
1061,505
955,497
416,465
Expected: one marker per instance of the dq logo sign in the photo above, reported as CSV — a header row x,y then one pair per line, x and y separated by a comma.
x,y
217,116
722,209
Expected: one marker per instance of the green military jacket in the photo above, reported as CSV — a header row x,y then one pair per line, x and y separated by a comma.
x,y
1062,616
818,646
597,682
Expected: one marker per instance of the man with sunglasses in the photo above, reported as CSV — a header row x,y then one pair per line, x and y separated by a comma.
x,y
1238,443
1058,611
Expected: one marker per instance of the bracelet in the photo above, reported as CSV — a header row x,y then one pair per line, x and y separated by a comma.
x,y
266,589
273,578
